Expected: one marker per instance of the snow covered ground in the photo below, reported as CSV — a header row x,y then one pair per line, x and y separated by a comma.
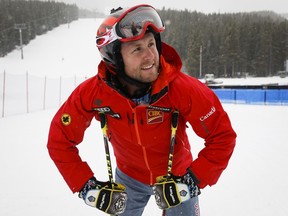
x,y
255,182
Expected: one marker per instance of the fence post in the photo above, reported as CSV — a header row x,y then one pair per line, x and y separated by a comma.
x,y
60,89
3,102
44,97
27,92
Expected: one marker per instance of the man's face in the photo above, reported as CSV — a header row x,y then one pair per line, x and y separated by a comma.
x,y
141,59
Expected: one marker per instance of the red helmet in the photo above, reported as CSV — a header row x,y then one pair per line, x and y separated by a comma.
x,y
124,25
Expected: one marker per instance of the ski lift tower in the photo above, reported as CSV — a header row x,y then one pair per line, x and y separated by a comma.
x,y
20,27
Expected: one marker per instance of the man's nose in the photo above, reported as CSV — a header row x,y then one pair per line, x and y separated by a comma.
x,y
149,54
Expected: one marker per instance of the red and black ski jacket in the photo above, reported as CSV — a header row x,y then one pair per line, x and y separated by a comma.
x,y
140,135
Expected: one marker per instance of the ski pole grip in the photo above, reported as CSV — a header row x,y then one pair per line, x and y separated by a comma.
x,y
175,116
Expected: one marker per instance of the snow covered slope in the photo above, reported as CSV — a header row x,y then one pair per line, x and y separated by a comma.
x,y
255,182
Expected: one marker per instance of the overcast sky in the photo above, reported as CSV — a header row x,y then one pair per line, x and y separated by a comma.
x,y
206,6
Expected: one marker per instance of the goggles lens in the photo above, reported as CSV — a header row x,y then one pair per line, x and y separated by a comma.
x,y
134,23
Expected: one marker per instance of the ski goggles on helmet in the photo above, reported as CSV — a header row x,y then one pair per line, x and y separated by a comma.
x,y
132,25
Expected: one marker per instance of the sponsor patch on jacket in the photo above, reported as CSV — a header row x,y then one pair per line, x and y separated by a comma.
x,y
210,113
164,109
154,116
66,119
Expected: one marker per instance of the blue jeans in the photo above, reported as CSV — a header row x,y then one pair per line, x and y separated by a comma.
x,y
139,195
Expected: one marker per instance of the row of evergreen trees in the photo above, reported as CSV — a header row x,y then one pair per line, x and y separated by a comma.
x,y
34,17
223,44
231,44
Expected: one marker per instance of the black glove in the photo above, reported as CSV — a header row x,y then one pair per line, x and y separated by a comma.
x,y
107,197
172,191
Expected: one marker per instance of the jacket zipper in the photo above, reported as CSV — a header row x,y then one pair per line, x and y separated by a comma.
x,y
143,148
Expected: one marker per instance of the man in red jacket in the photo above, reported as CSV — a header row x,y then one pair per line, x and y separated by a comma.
x,y
144,102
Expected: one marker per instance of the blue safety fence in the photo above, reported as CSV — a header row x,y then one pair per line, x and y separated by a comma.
x,y
253,96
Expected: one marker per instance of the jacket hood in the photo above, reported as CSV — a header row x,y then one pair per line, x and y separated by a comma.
x,y
171,56
170,67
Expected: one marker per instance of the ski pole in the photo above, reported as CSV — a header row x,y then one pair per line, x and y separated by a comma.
x,y
174,125
104,128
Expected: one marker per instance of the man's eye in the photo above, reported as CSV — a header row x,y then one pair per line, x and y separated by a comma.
x,y
151,44
137,49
